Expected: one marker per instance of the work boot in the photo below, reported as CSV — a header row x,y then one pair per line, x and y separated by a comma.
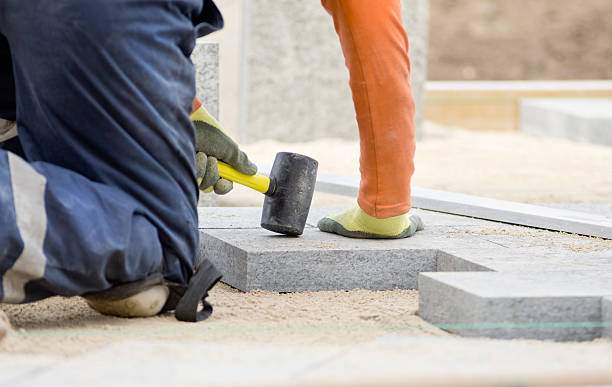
x,y
5,325
355,223
8,130
144,298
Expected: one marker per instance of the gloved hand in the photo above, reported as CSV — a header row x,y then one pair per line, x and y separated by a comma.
x,y
355,223
212,144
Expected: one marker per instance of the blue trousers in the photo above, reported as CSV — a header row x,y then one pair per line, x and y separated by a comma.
x,y
99,187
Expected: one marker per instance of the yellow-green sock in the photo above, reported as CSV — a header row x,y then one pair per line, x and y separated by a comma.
x,y
355,223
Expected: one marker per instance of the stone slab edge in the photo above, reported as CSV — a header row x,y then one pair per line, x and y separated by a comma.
x,y
606,316
471,315
315,269
446,262
230,260
487,208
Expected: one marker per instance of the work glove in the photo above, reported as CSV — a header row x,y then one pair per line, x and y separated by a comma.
x,y
355,223
213,144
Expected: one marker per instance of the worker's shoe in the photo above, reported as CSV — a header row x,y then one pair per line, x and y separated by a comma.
x,y
8,130
144,298
355,223
5,325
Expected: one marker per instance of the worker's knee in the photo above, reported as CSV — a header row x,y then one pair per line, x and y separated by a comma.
x,y
82,24
61,22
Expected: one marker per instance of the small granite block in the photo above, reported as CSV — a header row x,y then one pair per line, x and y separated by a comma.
x,y
257,259
560,306
579,119
606,316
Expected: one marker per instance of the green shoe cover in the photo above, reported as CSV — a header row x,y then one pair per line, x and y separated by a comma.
x,y
355,223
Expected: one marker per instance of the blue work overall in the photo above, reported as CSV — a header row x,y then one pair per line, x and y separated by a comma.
x,y
98,189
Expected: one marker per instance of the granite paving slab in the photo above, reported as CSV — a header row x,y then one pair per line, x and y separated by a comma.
x,y
547,218
604,209
253,258
392,360
559,305
606,316
15,367
575,270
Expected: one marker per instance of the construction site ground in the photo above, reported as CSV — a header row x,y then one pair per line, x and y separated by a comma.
x,y
511,166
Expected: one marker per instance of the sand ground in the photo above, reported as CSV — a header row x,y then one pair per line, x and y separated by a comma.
x,y
503,165
520,39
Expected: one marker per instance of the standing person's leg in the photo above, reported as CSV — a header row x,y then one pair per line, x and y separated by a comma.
x,y
108,194
375,48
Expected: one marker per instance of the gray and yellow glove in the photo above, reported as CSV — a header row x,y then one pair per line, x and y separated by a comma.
x,y
212,144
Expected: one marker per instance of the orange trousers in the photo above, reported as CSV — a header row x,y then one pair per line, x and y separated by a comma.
x,y
375,48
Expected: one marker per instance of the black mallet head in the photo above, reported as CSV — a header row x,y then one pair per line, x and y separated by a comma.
x,y
286,206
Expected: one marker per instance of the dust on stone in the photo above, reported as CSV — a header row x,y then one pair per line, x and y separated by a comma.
x,y
577,243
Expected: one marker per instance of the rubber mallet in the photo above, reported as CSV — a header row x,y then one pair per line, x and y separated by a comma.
x,y
288,190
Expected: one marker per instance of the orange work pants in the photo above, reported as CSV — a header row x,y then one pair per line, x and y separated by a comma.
x,y
375,48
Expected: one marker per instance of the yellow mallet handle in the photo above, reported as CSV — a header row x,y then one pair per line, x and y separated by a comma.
x,y
257,182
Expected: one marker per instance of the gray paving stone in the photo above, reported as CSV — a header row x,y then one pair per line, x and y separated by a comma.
x,y
606,316
392,360
547,218
562,306
162,363
499,273
256,259
579,119
253,258
604,209
16,367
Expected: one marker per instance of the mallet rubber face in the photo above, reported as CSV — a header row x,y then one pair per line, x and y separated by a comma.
x,y
285,211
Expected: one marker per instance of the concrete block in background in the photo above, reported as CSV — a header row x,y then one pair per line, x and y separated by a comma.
x,y
560,306
606,316
495,105
205,58
283,71
580,119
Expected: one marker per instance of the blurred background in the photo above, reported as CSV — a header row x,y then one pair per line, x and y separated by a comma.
x,y
520,40
514,99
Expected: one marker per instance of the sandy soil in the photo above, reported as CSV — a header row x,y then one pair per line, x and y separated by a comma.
x,y
520,39
62,326
503,165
